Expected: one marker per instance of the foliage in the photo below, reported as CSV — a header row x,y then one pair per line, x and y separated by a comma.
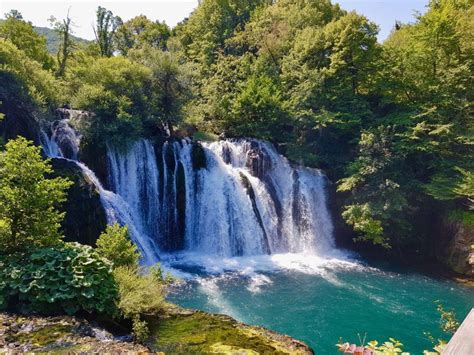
x,y
214,21
170,83
391,347
449,323
138,295
115,89
69,278
140,329
140,31
104,30
40,84
114,245
23,35
28,198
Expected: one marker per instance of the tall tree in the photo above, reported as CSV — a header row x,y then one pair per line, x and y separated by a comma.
x,y
66,46
104,30
24,37
140,31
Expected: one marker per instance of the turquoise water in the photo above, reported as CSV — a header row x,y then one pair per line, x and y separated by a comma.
x,y
318,300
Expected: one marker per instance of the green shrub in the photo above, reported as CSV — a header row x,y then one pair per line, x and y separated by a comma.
x,y
138,294
115,245
140,329
28,199
68,279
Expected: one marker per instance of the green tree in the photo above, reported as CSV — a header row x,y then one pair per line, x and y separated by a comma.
x,y
117,91
171,84
66,46
114,244
104,30
28,198
24,37
140,31
40,84
211,24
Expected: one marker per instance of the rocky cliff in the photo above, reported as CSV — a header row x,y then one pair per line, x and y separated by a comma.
x,y
457,250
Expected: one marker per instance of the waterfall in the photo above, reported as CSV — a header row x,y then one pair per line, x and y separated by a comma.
x,y
63,143
245,200
227,198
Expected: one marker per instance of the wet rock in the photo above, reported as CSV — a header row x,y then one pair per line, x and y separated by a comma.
x,y
85,216
457,251
59,335
258,161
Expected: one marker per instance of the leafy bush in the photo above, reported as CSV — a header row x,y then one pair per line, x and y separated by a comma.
x,y
115,245
138,294
140,329
41,84
28,199
66,279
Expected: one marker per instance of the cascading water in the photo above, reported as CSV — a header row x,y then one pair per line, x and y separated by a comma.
x,y
227,198
246,199
64,144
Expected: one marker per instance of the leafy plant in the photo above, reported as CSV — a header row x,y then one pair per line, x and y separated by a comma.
x,y
68,279
140,329
139,295
28,199
449,323
114,244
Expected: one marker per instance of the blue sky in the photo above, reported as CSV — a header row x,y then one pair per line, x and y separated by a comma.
x,y
382,12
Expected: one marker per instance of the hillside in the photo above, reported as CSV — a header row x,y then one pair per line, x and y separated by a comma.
x,y
52,40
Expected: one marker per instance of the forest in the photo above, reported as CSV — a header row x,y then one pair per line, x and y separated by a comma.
x,y
390,124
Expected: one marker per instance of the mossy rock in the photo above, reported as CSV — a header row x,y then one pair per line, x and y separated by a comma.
x,y
85,216
185,331
43,336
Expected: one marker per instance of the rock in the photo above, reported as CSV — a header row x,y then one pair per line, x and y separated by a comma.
x,y
258,162
178,330
59,335
85,216
457,251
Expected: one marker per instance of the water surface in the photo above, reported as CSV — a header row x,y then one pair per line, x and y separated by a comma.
x,y
319,300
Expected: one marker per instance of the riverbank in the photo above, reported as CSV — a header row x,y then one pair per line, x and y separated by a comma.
x,y
174,330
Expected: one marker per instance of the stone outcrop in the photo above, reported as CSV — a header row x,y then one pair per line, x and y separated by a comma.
x,y
65,335
85,216
174,331
187,331
458,249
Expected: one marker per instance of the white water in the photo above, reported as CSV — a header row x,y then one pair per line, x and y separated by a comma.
x,y
247,202
116,209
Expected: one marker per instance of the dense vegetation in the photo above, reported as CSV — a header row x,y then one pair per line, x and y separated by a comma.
x,y
40,273
391,123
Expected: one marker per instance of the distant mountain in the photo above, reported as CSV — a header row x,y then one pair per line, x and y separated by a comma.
x,y
52,38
